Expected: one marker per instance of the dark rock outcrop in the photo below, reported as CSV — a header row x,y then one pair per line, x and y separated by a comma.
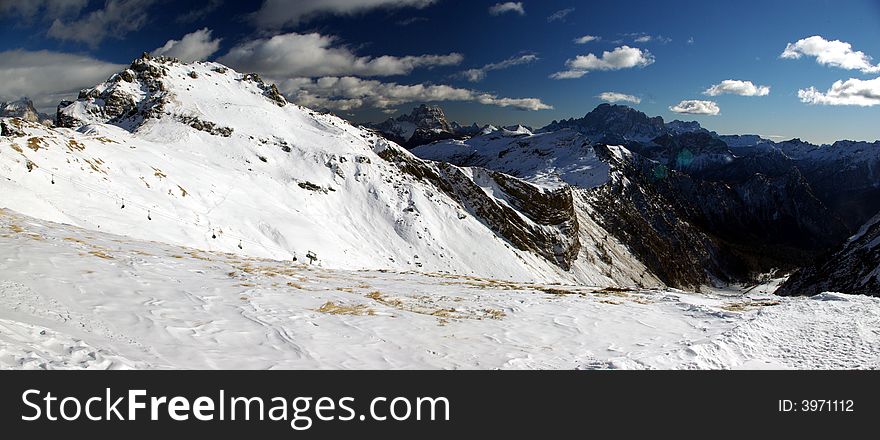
x,y
854,268
552,228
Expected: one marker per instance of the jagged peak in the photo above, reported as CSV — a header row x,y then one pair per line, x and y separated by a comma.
x,y
144,89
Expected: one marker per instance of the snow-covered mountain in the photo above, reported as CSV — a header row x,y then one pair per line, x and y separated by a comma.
x,y
687,205
23,109
854,268
203,156
620,124
425,124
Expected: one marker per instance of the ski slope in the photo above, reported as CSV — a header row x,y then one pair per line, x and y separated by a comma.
x,y
105,301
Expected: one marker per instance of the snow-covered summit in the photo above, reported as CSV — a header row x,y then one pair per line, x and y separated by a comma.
x,y
24,109
203,156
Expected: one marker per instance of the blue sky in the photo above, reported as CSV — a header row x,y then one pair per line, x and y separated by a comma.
x,y
396,54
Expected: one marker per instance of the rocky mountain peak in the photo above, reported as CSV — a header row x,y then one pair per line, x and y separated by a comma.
x,y
427,117
613,121
22,108
144,90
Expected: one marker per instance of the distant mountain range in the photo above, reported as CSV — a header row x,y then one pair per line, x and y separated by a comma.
x,y
202,156
696,207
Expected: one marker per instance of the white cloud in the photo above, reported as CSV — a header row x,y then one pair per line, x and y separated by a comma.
x,y
737,87
116,19
696,107
642,37
275,14
477,75
348,93
48,77
586,39
560,15
834,53
618,97
411,20
195,46
865,93
502,8
314,55
623,57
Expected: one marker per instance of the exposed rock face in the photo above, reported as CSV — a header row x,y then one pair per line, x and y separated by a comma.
x,y
684,204
424,125
611,123
687,151
269,90
854,268
652,222
23,109
126,99
11,128
550,227
139,93
691,230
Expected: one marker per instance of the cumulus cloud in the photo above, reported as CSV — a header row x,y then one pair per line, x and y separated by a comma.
x,y
48,77
618,97
737,87
315,55
834,53
623,57
116,19
865,93
503,8
349,93
559,15
195,46
696,107
275,14
477,75
586,39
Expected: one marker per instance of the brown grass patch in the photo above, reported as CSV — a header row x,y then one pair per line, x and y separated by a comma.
x,y
73,145
558,292
35,143
749,305
495,314
336,309
100,254
381,299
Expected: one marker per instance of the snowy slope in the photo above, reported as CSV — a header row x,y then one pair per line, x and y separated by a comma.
x,y
549,159
202,156
106,301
